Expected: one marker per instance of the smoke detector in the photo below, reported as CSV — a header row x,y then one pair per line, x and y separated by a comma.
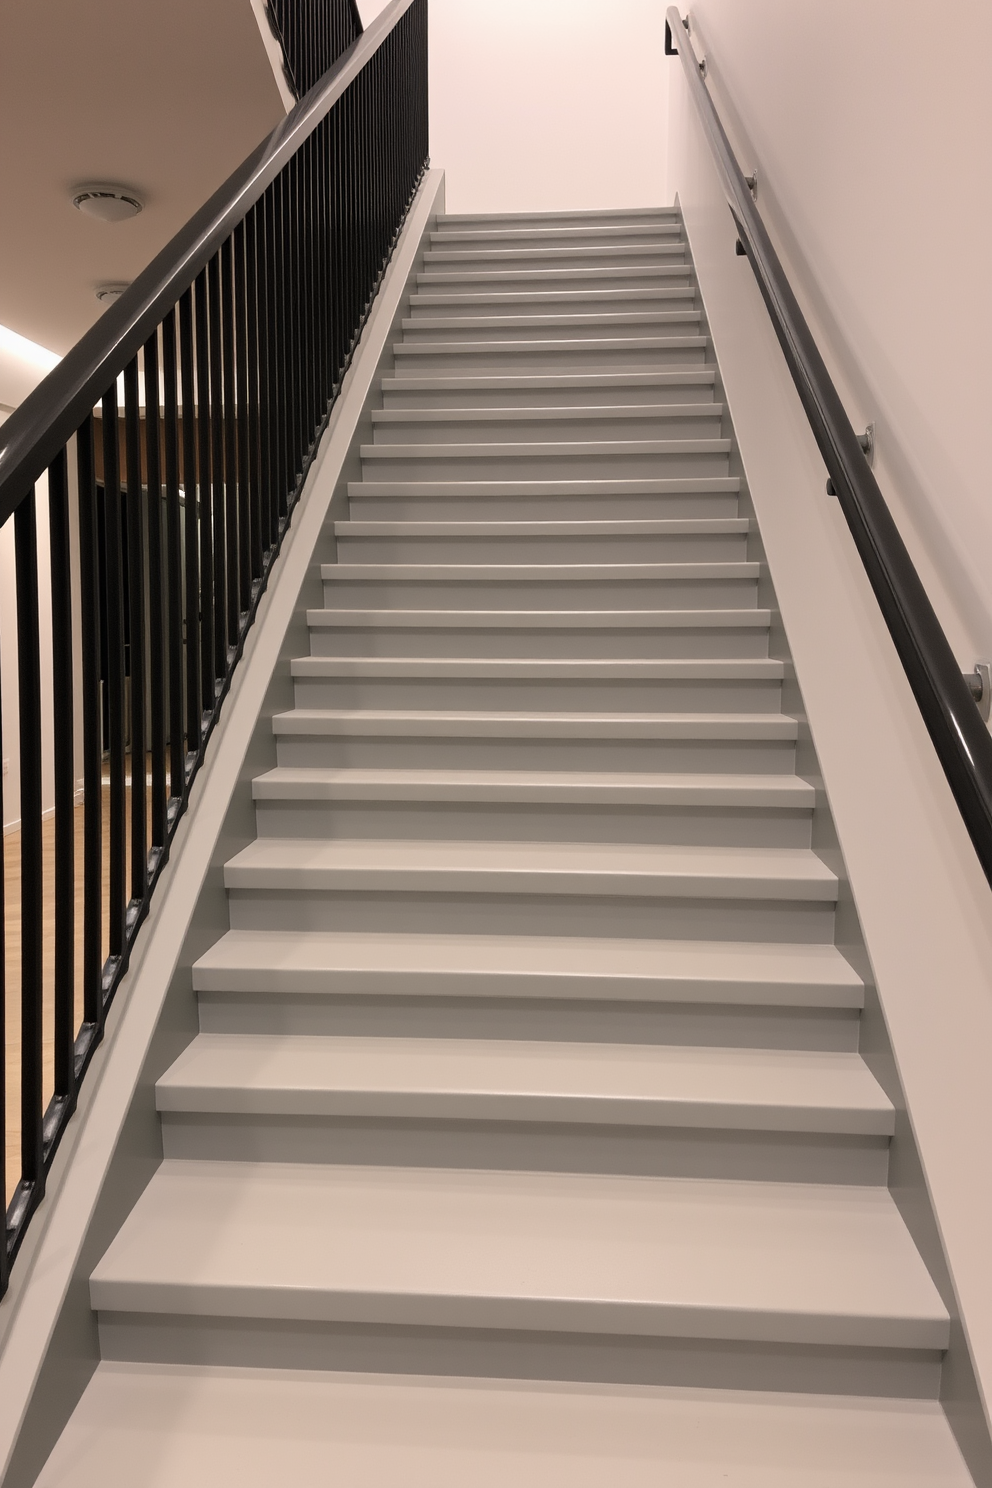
x,y
108,293
108,203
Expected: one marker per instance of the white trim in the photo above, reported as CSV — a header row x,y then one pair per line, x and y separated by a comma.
x,y
48,1261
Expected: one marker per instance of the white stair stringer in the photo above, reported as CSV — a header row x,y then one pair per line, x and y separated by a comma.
x,y
526,1133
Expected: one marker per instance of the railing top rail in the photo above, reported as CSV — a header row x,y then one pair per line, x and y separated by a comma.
x,y
35,432
960,737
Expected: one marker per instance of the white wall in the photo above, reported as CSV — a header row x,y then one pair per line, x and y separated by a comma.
x,y
921,896
539,105
22,366
870,129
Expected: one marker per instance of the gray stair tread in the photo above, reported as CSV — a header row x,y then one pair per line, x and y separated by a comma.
x,y
587,868
598,343
542,573
522,1080
604,297
449,382
520,254
547,449
252,1428
593,320
677,268
738,668
770,1262
765,792
673,485
377,721
590,214
597,620
558,233
726,973
629,527
540,415
722,972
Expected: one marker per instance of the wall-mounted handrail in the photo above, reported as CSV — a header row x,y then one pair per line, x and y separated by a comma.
x,y
168,451
945,699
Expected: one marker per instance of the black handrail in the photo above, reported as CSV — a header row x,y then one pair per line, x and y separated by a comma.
x,y
962,741
313,34
166,510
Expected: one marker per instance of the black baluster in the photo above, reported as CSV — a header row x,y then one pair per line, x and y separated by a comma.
x,y
32,890
65,867
134,508
174,558
245,543
205,501
255,354
232,563
221,637
113,567
195,645
157,607
90,638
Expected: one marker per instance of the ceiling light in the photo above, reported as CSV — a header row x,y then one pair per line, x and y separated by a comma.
x,y
107,293
109,203
11,344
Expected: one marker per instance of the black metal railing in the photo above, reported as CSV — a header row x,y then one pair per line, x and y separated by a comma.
x,y
164,456
944,695
313,34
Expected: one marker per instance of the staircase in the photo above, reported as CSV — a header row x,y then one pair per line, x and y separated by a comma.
x,y
526,1135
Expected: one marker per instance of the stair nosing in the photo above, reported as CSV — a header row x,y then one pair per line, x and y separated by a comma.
x,y
868,1288
220,1074
681,972
548,527
542,620
702,668
507,348
659,789
739,875
451,723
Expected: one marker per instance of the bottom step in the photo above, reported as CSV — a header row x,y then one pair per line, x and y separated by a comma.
x,y
177,1427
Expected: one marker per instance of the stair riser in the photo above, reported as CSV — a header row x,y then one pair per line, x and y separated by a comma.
x,y
543,695
410,1140
621,464
431,507
510,430
646,547
645,354
744,757
548,645
456,301
374,1005
515,821
537,278
563,236
646,255
535,914
549,597
686,386
637,217
670,322
175,1338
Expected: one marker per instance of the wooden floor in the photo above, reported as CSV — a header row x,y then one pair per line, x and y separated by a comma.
x,y
12,925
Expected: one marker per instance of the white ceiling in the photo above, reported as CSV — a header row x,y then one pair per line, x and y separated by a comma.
x,y
165,96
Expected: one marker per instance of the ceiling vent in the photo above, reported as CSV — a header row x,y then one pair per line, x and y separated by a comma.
x,y
109,203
